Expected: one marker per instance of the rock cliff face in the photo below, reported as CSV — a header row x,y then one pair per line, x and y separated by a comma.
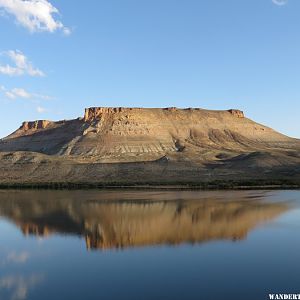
x,y
39,124
130,144
237,113
96,113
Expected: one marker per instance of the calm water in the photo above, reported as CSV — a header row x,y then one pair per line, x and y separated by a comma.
x,y
148,245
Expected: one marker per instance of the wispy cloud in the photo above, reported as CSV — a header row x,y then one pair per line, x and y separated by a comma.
x,y
18,286
16,93
21,65
17,258
280,2
41,109
35,15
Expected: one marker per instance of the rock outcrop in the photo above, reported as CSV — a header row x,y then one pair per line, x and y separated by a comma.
x,y
237,113
35,125
96,113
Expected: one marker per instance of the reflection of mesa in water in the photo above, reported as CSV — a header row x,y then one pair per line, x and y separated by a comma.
x,y
129,224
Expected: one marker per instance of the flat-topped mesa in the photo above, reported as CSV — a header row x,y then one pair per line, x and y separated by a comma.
x,y
34,125
96,113
237,113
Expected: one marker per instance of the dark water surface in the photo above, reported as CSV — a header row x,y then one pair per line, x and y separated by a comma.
x,y
148,244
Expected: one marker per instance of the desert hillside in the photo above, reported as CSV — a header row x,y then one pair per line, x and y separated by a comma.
x,y
148,145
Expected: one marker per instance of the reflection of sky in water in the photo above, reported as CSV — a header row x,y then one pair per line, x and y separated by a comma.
x,y
58,266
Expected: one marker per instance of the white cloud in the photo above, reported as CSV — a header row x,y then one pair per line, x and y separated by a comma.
x,y
8,70
280,2
21,65
67,31
41,110
35,15
16,93
42,97
20,93
10,95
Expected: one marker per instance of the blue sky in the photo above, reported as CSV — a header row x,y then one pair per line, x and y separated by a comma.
x,y
58,57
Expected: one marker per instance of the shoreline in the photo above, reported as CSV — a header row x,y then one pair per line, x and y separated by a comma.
x,y
206,186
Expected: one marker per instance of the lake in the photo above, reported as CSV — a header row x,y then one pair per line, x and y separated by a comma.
x,y
124,244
